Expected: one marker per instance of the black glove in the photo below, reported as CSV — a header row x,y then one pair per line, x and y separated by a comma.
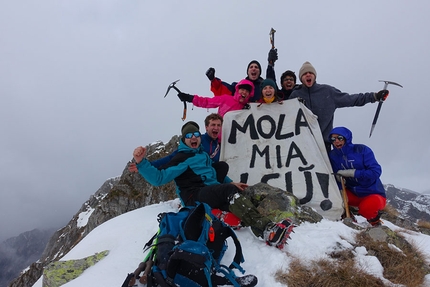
x,y
382,95
273,56
210,73
186,97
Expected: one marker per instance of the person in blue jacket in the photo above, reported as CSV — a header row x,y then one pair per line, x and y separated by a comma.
x,y
196,181
323,100
357,164
210,143
210,140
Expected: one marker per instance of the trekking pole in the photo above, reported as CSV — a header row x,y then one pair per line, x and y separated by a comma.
x,y
345,197
172,85
378,109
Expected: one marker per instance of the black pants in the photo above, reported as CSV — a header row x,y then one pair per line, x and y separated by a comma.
x,y
218,195
221,169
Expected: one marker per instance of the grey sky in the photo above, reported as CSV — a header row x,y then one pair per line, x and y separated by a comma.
x,y
82,84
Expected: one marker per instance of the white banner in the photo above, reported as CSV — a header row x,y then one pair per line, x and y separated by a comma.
x,y
281,145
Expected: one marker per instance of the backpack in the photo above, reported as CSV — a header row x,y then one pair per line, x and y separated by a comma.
x,y
188,248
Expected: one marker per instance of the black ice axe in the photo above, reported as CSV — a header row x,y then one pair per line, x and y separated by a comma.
x,y
378,109
272,40
172,85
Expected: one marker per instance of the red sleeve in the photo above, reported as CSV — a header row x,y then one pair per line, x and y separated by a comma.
x,y
218,88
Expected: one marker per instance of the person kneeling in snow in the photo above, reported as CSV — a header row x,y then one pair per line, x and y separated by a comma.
x,y
357,164
196,181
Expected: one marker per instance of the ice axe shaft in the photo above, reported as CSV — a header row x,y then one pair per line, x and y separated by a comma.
x,y
378,109
345,197
172,86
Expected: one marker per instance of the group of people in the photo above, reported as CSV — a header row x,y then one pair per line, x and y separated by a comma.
x,y
200,176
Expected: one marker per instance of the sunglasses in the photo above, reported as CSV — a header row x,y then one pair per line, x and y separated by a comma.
x,y
341,138
190,135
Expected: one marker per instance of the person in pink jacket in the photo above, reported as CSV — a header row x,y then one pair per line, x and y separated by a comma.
x,y
224,103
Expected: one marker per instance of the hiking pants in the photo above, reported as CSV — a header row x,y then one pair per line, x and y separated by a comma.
x,y
227,197
368,206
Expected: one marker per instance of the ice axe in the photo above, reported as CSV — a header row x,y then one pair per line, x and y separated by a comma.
x,y
272,37
378,109
272,40
172,86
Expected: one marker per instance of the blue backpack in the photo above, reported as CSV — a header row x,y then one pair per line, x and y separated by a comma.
x,y
188,248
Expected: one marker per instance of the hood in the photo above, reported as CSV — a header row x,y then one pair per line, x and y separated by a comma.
x,y
244,82
347,134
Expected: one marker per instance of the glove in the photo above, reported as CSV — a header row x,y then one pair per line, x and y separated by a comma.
x,y
210,73
346,172
273,56
381,95
185,97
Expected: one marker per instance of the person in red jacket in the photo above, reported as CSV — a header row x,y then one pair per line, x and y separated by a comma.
x,y
253,72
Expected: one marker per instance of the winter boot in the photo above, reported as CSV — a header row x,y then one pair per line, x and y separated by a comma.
x,y
247,280
248,214
276,234
351,215
375,222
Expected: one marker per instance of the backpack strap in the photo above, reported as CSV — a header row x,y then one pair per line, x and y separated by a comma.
x,y
228,273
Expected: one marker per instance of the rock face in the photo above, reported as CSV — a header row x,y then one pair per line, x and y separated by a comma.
x,y
411,205
58,273
130,191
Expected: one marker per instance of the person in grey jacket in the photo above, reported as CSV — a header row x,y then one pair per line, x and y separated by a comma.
x,y
323,100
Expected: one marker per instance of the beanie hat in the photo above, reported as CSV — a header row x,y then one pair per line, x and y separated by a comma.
x,y
288,73
189,127
307,67
268,82
245,86
253,62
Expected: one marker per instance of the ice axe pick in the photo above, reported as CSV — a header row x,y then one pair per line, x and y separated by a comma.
x,y
172,86
378,109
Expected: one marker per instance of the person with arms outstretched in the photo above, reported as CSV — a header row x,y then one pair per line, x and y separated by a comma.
x,y
323,100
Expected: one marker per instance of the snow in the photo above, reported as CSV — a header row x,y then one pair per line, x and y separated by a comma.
x,y
125,236
84,216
